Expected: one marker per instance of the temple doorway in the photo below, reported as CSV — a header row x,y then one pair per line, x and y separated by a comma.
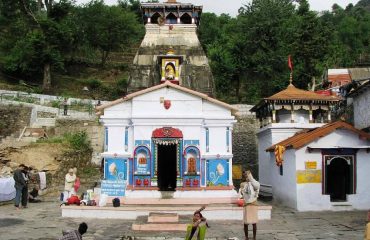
x,y
338,179
167,169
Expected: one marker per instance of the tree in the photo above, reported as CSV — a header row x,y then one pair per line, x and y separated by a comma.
x,y
45,37
110,28
310,46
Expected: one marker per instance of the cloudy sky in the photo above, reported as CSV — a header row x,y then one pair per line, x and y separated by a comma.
x,y
231,6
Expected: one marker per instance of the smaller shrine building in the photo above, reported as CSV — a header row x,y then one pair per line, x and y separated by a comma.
x,y
168,138
306,161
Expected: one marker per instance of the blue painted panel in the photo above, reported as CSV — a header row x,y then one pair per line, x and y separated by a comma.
x,y
218,172
115,169
106,139
142,167
114,188
126,138
202,173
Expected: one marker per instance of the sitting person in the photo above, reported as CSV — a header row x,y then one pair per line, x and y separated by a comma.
x,y
33,195
197,230
75,234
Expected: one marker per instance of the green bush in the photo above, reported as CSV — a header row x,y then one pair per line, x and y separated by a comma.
x,y
55,103
94,83
122,83
78,141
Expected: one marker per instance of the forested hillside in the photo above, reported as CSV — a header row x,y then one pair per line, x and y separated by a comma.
x,y
59,47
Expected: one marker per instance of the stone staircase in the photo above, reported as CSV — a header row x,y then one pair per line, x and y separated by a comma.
x,y
159,221
141,209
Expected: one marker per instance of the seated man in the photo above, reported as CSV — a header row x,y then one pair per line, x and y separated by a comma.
x,y
33,194
75,234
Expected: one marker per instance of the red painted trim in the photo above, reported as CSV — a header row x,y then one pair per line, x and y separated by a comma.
x,y
167,132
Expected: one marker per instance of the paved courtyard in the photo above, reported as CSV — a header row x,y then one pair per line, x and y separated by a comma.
x,y
44,221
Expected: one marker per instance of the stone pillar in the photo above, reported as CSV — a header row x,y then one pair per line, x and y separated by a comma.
x,y
178,20
192,20
329,116
149,20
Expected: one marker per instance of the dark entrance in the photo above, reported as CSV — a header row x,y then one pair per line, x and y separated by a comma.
x,y
338,179
167,158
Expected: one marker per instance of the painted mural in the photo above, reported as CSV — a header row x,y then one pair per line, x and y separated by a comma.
x,y
218,172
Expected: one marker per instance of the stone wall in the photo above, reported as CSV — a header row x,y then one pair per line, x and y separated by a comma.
x,y
245,141
94,130
195,72
13,119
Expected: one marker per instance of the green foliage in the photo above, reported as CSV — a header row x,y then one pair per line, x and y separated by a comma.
x,y
248,54
94,83
78,141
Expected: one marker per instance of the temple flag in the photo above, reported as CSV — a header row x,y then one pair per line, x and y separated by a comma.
x,y
290,64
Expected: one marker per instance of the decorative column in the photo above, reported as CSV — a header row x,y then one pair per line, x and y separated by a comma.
x,y
329,113
274,116
292,113
178,15
310,114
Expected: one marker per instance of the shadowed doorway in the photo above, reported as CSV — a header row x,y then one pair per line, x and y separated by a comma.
x,y
338,179
167,158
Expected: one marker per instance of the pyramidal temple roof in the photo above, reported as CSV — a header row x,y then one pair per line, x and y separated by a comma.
x,y
292,94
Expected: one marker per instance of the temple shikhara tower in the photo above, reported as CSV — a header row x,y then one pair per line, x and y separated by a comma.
x,y
171,49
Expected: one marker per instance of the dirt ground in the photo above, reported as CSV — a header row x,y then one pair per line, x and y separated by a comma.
x,y
40,156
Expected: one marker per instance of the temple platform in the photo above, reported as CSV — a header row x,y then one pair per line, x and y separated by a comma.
x,y
131,209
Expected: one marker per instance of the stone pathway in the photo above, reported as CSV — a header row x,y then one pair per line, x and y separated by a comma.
x,y
44,221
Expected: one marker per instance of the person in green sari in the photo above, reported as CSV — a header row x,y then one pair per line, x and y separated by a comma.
x,y
197,230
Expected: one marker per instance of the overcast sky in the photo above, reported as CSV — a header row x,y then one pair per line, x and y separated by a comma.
x,y
231,6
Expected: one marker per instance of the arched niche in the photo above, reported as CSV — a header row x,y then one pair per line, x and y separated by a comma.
x,y
171,18
186,19
170,71
142,160
155,18
191,161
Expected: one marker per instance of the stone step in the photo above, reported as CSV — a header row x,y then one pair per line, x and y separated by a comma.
x,y
157,217
341,206
131,212
160,227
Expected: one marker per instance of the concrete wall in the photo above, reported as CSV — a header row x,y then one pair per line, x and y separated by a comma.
x,y
284,188
361,110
